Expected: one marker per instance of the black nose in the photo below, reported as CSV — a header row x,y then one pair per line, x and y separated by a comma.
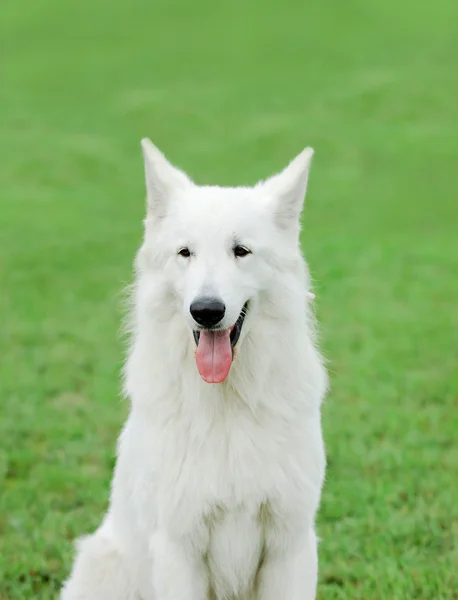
x,y
208,312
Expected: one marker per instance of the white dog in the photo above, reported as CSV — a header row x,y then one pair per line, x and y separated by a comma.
x,y
221,462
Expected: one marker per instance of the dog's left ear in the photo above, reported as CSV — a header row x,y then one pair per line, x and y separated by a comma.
x,y
163,180
285,191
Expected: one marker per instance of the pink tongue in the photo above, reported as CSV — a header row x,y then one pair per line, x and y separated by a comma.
x,y
214,355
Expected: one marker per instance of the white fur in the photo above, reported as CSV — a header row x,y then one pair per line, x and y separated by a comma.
x,y
216,486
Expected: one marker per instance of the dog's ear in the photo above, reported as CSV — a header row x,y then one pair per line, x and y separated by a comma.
x,y
162,179
285,191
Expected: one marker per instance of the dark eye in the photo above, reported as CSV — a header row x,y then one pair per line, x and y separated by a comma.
x,y
184,252
241,251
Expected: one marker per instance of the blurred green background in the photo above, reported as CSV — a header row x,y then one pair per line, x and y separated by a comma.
x,y
231,92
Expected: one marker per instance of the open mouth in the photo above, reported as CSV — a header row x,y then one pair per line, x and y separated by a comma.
x,y
216,349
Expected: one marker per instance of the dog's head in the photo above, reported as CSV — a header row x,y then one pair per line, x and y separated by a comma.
x,y
214,253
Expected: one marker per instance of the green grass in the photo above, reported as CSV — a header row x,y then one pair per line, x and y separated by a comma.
x,y
231,91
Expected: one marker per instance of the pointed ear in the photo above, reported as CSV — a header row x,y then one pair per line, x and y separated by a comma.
x,y
162,179
286,191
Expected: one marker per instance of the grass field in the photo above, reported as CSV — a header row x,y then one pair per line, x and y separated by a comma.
x,y
231,92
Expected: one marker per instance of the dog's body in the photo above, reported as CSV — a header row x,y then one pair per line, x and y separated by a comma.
x,y
220,467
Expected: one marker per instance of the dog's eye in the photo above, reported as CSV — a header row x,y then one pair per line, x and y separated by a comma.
x,y
184,252
241,251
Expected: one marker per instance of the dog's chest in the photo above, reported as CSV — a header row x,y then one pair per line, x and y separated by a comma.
x,y
225,463
213,486
235,545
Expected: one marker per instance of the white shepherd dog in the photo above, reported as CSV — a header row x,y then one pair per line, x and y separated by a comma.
x,y
221,462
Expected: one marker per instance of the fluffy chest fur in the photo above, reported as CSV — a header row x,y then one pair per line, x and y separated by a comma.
x,y
223,478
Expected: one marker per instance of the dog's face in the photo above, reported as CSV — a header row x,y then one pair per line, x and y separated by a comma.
x,y
215,251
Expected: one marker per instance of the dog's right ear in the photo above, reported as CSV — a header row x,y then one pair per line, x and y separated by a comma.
x,y
286,192
162,180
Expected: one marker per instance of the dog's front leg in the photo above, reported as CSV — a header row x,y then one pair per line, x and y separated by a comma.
x,y
179,572
290,571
